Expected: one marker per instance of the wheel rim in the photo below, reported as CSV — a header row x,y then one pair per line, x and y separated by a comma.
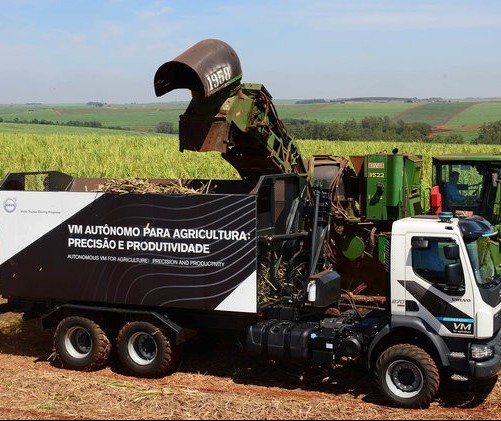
x,y
142,348
404,379
78,342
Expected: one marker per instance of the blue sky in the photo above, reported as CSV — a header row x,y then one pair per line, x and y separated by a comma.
x,y
108,50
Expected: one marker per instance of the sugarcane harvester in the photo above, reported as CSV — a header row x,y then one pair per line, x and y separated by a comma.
x,y
352,201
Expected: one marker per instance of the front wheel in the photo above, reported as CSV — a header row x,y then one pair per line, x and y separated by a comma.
x,y
408,376
146,350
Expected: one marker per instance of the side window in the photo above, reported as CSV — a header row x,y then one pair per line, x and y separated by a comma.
x,y
428,259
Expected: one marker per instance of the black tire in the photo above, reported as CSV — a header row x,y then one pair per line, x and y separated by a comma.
x,y
146,350
408,376
81,344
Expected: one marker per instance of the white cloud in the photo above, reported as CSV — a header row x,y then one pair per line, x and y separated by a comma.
x,y
112,29
157,9
74,37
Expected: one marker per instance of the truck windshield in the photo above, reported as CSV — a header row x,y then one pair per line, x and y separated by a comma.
x,y
482,261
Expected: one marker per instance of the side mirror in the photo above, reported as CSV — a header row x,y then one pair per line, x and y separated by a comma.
x,y
451,251
454,275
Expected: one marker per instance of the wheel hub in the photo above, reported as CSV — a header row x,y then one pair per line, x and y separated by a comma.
x,y
142,348
78,342
406,377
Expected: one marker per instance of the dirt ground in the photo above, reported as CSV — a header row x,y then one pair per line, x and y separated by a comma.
x,y
215,381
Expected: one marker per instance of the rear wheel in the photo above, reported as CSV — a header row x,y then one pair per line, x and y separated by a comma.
x,y
81,344
408,376
146,350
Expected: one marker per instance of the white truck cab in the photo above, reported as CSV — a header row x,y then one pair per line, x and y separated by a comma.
x,y
443,279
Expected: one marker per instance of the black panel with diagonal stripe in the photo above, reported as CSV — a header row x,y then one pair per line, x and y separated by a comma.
x,y
52,268
451,317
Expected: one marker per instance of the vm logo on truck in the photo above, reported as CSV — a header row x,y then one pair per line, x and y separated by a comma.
x,y
462,328
9,205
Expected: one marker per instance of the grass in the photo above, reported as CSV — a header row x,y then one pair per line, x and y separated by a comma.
x,y
157,156
91,155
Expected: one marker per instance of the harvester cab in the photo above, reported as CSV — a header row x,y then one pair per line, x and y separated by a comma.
x,y
467,185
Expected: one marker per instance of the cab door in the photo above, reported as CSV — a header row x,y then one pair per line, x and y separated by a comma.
x,y
435,287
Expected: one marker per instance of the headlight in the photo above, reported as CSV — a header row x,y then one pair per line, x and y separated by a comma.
x,y
480,352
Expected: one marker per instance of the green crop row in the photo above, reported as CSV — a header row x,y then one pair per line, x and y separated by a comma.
x,y
339,111
116,156
482,112
158,156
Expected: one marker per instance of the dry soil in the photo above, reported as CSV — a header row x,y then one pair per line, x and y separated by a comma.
x,y
215,380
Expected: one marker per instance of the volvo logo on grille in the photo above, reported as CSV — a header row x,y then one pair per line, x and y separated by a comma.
x,y
9,205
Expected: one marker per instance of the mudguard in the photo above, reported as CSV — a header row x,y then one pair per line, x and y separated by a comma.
x,y
411,323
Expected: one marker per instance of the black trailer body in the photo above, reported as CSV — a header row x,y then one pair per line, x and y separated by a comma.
x,y
191,251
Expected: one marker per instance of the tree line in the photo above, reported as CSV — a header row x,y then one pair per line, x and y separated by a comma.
x,y
490,133
384,129
367,129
